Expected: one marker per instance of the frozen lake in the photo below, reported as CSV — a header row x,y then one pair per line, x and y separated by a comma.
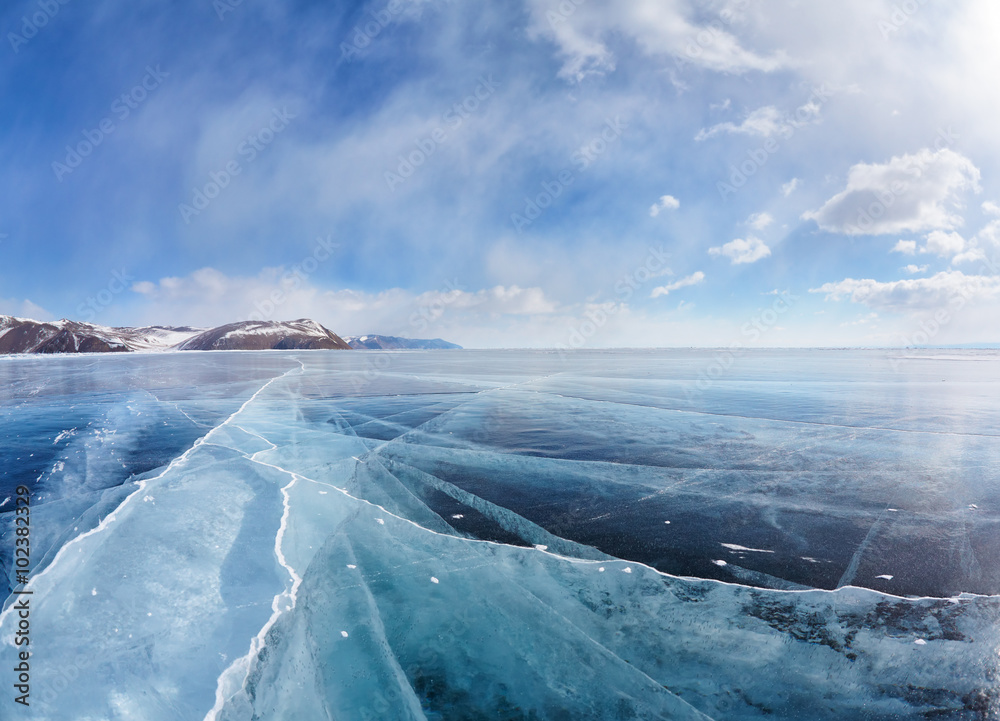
x,y
507,534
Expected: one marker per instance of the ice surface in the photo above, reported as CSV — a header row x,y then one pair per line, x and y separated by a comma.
x,y
491,535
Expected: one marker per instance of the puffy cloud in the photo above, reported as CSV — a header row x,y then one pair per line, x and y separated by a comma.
x,y
944,244
659,29
914,269
789,187
742,251
908,193
989,235
991,208
666,202
759,221
693,279
954,246
916,294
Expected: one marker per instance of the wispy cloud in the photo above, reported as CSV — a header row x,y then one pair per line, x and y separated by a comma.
x,y
789,187
741,251
759,221
581,31
918,294
693,279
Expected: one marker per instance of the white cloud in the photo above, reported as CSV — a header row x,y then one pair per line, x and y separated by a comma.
x,y
958,249
908,193
789,187
208,297
991,208
666,202
916,294
906,247
767,121
693,279
914,269
763,122
759,221
944,244
658,28
969,255
989,235
742,251
24,309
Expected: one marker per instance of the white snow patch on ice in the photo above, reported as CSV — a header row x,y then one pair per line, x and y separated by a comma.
x,y
735,547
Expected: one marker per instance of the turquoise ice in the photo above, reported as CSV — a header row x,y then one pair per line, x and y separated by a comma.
x,y
508,535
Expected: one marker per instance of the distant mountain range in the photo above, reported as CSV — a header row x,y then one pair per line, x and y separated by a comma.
x,y
22,335
391,342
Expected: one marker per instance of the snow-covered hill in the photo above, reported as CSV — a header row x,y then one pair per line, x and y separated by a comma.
x,y
23,335
263,335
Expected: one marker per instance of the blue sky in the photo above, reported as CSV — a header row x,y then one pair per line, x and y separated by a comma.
x,y
513,173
